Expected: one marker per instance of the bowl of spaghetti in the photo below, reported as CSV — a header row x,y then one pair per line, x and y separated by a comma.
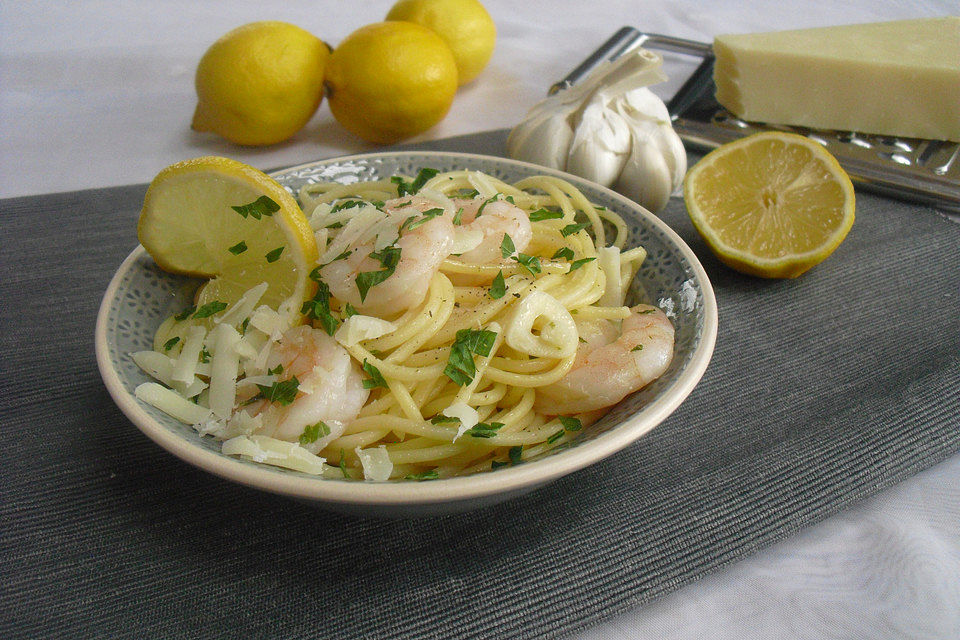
x,y
481,327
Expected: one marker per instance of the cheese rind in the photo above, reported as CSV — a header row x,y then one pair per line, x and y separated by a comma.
x,y
892,78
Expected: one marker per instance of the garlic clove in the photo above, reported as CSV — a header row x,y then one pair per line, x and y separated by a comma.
x,y
600,145
542,140
645,177
657,161
644,103
675,155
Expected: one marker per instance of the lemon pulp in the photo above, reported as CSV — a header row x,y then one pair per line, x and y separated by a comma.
x,y
772,204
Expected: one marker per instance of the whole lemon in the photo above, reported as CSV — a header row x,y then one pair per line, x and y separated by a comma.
x,y
391,80
464,25
260,83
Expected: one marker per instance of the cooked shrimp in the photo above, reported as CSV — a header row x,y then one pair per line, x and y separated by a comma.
x,y
330,388
497,218
610,365
422,249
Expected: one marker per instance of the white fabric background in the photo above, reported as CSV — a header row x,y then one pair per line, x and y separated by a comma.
x,y
100,93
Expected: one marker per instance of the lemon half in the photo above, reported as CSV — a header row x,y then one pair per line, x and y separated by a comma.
x,y
771,205
217,218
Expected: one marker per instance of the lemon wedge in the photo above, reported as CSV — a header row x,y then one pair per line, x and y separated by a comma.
x,y
771,205
220,219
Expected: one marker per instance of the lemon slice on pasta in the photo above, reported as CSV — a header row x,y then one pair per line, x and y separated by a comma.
x,y
220,219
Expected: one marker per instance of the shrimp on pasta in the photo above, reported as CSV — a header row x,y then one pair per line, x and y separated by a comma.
x,y
408,263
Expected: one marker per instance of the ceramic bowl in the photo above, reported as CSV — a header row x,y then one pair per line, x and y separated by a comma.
x,y
140,296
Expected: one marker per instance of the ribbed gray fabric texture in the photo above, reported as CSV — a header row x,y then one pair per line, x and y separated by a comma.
x,y
822,390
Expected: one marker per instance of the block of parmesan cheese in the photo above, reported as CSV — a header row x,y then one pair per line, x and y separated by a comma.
x,y
897,78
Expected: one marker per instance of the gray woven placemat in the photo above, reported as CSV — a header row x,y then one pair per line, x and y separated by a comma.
x,y
822,390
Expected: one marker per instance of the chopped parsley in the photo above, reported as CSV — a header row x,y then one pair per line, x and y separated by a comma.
x,y
413,222
565,252
442,419
376,378
507,248
349,311
484,430
555,437
204,355
498,288
274,255
171,343
277,370
318,308
576,264
409,188
646,311
639,347
186,313
283,393
388,257
209,309
530,263
515,454
570,424
492,198
313,432
460,366
544,214
343,465
346,204
238,248
458,216
570,229
262,206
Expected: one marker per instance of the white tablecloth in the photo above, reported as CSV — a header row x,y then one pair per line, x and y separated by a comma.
x,y
101,93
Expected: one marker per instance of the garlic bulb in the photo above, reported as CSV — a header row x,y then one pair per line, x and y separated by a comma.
x,y
611,129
